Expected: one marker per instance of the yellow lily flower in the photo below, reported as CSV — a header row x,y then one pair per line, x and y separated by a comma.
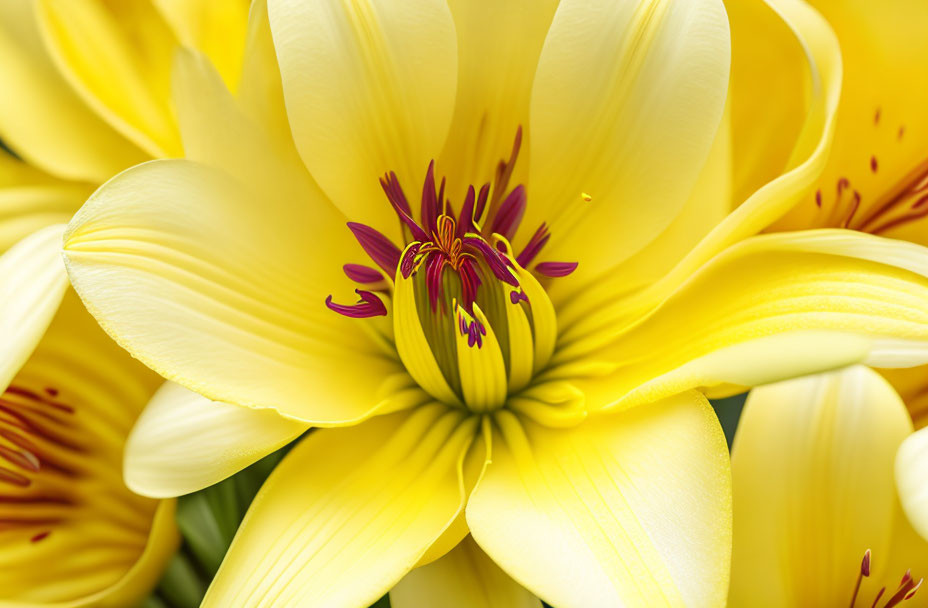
x,y
71,533
817,521
876,179
92,94
478,404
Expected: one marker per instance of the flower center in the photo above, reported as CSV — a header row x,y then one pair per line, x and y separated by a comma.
x,y
471,324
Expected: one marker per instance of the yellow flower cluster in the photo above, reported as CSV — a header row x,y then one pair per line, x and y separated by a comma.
x,y
567,225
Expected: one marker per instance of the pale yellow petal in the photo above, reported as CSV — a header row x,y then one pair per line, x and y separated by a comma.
x,y
183,442
220,285
770,308
912,479
813,488
370,88
498,48
45,121
216,27
627,99
348,513
624,510
464,578
32,283
117,56
74,534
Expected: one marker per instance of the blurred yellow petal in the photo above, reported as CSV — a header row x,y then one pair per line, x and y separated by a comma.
x,y
813,487
627,509
32,283
464,578
370,88
183,442
117,55
74,535
31,199
912,479
627,99
882,131
770,308
45,121
216,27
358,523
498,48
220,286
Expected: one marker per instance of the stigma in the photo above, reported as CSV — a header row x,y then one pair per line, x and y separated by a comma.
x,y
471,323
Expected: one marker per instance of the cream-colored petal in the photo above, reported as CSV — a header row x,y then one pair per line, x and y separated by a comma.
x,y
625,510
498,48
773,307
626,102
216,27
73,533
117,56
912,479
348,512
183,442
370,88
813,489
46,122
464,578
220,286
32,283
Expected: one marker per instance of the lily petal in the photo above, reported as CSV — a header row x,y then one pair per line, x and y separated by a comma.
x,y
464,578
46,122
498,48
592,516
32,283
770,308
389,487
370,88
216,27
221,287
912,479
627,99
813,489
75,399
183,442
124,74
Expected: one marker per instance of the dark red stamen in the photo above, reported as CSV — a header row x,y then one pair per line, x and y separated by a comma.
x,y
380,249
873,164
431,204
40,536
534,246
556,269
510,213
362,274
368,306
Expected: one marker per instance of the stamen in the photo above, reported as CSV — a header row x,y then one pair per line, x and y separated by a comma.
x,y
377,246
362,274
556,269
864,571
368,306
510,213
534,246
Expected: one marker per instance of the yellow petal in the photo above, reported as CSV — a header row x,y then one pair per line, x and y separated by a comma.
x,y
216,27
32,283
882,130
483,372
183,442
813,489
75,535
912,479
45,121
464,578
627,509
770,308
498,48
627,99
118,58
370,88
221,286
344,533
